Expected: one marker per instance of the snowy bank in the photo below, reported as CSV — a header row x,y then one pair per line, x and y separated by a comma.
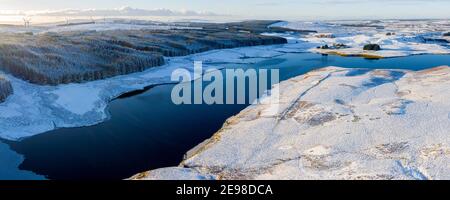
x,y
334,123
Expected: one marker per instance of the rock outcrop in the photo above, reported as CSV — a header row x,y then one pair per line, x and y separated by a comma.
x,y
5,88
334,123
334,46
65,57
371,47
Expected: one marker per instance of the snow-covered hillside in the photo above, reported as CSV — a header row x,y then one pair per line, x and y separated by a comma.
x,y
94,25
334,123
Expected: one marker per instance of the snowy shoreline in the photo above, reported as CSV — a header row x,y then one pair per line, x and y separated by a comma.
x,y
346,124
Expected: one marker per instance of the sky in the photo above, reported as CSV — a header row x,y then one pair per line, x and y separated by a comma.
x,y
261,9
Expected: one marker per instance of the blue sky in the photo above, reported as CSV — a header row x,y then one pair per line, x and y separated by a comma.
x,y
281,9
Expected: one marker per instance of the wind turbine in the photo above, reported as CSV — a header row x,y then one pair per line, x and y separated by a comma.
x,y
26,21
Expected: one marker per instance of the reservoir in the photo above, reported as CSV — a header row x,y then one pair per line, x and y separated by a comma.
x,y
147,131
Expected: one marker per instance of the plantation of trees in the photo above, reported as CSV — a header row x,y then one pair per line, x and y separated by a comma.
x,y
5,88
78,56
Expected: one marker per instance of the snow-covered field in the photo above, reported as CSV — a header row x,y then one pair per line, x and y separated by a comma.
x,y
98,25
334,123
396,38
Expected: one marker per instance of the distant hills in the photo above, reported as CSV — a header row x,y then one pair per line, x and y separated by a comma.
x,y
118,12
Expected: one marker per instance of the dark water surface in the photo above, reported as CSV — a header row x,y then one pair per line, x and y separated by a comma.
x,y
147,131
